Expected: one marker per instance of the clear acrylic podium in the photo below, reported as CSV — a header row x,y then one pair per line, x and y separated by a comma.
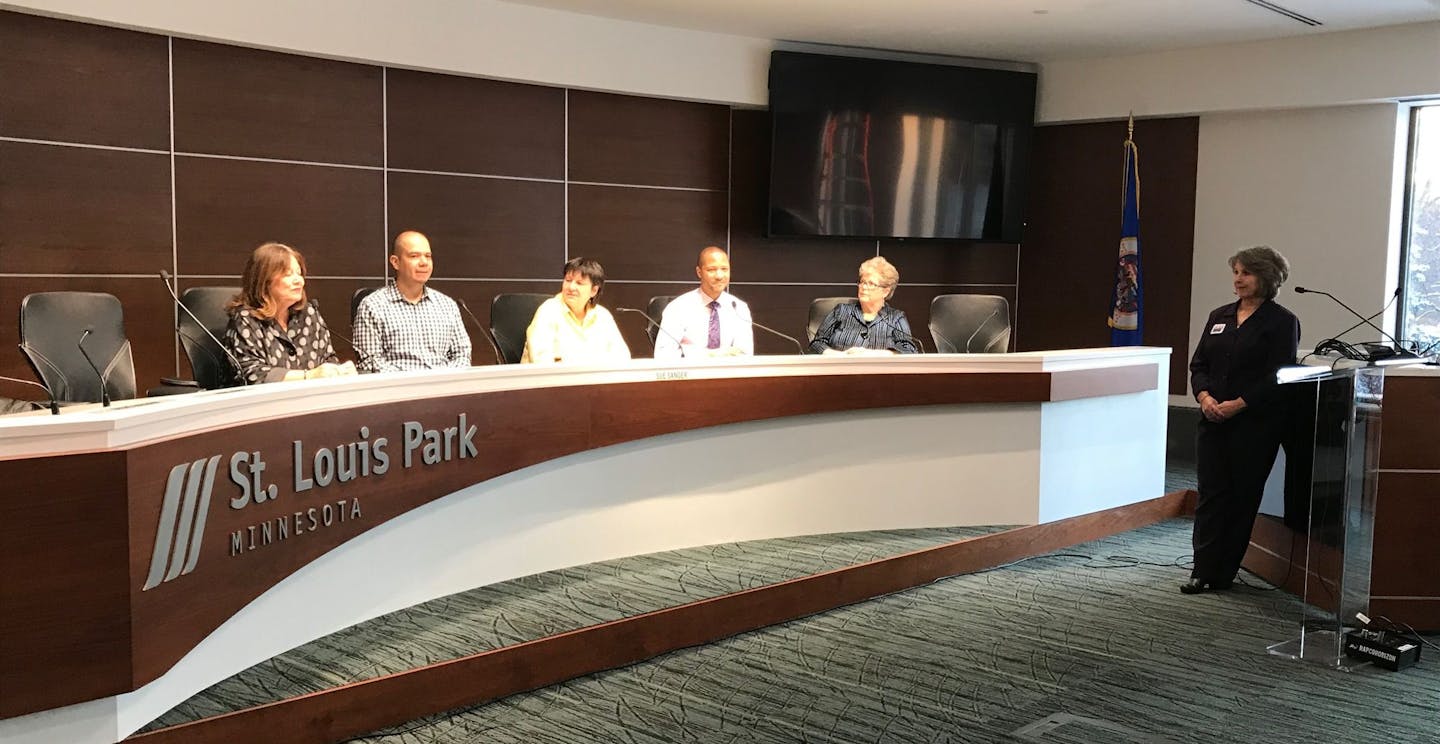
x,y
1341,516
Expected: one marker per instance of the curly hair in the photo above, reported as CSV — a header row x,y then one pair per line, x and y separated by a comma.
x,y
1267,265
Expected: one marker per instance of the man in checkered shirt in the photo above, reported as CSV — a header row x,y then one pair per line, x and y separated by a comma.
x,y
406,325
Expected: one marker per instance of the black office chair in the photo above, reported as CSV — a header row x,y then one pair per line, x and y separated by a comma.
x,y
656,309
970,324
210,364
820,308
51,325
357,298
510,315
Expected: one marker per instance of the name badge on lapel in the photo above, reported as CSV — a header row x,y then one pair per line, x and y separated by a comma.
x,y
1217,329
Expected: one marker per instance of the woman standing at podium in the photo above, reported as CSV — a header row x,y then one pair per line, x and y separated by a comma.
x,y
1242,346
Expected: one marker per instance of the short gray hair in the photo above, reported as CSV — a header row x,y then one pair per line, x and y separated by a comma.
x,y
889,275
1267,265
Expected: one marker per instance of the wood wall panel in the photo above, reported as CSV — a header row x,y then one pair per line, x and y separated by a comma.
x,y
237,101
955,262
639,233
1406,562
469,125
1072,235
1411,409
649,141
149,324
225,208
483,227
72,82
757,257
66,619
82,210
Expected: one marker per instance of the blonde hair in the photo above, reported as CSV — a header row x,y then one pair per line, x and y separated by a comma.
x,y
889,275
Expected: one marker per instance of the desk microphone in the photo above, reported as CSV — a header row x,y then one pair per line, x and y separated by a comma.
x,y
488,339
165,277
655,323
901,331
104,384
54,402
799,349
1399,348
358,353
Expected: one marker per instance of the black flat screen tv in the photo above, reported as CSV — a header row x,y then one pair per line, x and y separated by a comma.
x,y
873,148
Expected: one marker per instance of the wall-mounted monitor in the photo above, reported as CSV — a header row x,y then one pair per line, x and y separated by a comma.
x,y
872,148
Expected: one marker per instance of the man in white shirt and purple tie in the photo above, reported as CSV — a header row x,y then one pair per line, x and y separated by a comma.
x,y
708,321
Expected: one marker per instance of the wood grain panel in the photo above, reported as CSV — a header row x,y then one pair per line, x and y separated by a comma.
x,y
230,100
1072,234
66,614
373,704
78,210
1405,559
468,125
649,141
149,324
483,227
1408,420
76,82
995,266
777,259
224,208
650,234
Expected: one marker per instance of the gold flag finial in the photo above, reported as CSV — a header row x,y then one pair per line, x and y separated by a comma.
x,y
1130,132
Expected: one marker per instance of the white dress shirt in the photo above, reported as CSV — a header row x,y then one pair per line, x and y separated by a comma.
x,y
685,326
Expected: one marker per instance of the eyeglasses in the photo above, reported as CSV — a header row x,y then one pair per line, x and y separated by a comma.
x,y
871,285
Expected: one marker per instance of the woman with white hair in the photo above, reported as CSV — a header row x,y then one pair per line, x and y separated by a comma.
x,y
869,325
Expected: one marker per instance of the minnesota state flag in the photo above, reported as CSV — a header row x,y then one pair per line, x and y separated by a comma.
x,y
1127,315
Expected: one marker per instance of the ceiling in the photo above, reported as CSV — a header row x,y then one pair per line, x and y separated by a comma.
x,y
1020,30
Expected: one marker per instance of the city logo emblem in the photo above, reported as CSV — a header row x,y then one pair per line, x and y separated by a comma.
x,y
182,521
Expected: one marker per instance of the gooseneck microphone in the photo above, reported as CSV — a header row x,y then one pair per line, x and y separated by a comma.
x,y
655,323
165,277
488,339
799,349
104,384
1399,348
54,402
359,354
911,338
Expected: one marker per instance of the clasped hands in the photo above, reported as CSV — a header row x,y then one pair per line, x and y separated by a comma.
x,y
1217,411
330,369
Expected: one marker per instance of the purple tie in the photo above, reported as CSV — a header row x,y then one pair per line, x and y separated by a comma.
x,y
713,342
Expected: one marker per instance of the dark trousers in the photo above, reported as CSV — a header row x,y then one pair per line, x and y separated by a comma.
x,y
1233,460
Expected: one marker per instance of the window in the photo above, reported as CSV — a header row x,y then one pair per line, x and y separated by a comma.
x,y
1420,320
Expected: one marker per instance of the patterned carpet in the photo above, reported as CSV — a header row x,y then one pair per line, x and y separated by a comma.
x,y
1091,645
541,605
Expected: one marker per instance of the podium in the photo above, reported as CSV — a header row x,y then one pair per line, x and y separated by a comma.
x,y
1340,518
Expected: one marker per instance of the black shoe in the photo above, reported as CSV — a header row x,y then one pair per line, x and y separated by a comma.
x,y
1195,586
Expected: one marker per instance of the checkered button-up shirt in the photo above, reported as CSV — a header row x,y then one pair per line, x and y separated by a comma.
x,y
392,333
